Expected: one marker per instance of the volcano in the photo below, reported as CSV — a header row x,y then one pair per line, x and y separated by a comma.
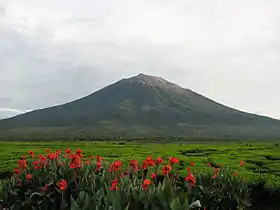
x,y
143,105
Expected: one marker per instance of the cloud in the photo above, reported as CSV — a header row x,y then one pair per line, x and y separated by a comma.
x,y
7,112
56,51
16,111
2,11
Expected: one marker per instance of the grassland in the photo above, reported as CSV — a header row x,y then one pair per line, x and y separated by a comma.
x,y
262,160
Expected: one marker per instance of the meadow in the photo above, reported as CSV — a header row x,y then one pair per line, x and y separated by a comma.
x,y
262,160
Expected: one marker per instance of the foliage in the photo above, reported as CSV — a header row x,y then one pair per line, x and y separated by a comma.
x,y
216,195
259,168
70,180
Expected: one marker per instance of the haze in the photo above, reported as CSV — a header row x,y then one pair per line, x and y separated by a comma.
x,y
52,52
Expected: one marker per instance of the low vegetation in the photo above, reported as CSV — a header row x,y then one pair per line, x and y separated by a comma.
x,y
261,171
70,180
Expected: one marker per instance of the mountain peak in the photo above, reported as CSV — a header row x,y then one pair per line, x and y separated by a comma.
x,y
147,77
149,80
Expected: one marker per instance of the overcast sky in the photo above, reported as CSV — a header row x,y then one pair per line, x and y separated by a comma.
x,y
56,51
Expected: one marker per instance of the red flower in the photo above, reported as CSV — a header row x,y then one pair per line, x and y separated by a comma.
x,y
216,173
29,177
159,160
68,151
72,165
98,166
134,165
192,164
72,156
189,169
75,161
31,153
57,152
22,164
146,183
173,160
60,164
42,158
114,184
116,165
148,162
45,188
242,163
166,169
62,185
52,156
98,158
48,150
42,161
191,179
216,170
153,176
220,165
87,162
214,176
79,152
236,173
145,165
36,163
16,171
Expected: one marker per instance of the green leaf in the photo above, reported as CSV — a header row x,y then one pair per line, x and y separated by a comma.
x,y
74,204
127,207
175,204
195,204
81,197
86,202
100,193
34,194
246,203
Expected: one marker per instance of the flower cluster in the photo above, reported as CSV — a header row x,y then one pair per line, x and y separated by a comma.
x,y
51,161
190,178
74,174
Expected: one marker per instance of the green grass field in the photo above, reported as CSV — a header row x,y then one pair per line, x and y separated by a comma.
x,y
262,160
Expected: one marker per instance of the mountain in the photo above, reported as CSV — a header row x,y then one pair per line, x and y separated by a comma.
x,y
142,105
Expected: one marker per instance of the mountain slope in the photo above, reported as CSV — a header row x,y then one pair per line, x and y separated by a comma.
x,y
145,102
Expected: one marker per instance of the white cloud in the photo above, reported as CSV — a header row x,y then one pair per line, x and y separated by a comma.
x,y
7,112
16,111
55,51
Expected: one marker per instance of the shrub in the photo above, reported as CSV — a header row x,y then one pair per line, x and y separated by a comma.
x,y
68,180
